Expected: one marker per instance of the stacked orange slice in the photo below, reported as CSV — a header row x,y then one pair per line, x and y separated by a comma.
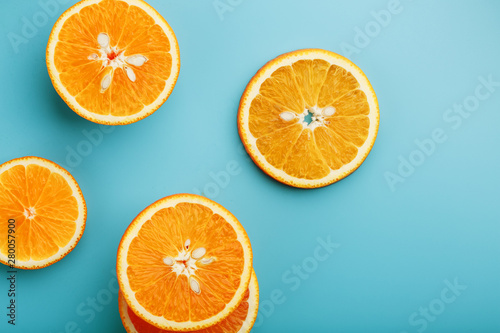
x,y
185,264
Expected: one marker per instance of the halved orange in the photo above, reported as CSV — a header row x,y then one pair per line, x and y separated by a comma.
x,y
113,62
184,263
308,118
43,206
240,320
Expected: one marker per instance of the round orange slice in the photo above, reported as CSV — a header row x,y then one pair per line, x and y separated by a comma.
x,y
42,213
240,320
113,62
308,118
184,263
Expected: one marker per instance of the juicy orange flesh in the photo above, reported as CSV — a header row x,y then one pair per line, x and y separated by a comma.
x,y
302,152
55,211
231,324
132,31
164,293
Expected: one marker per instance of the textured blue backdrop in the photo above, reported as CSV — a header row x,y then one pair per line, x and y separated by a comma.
x,y
415,230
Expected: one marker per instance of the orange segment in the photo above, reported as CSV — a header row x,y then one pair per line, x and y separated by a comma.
x,y
221,289
114,24
93,19
41,246
310,76
57,200
48,208
14,182
36,175
264,117
11,208
76,34
73,58
353,103
275,146
113,62
137,24
338,83
308,118
153,40
240,320
57,231
184,263
23,247
282,89
352,129
336,151
147,93
159,64
154,297
76,79
305,149
130,103
91,97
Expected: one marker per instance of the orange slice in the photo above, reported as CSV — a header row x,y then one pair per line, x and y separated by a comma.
x,y
308,118
240,320
184,263
43,205
113,62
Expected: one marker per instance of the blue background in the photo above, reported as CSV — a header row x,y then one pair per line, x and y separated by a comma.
x,y
398,245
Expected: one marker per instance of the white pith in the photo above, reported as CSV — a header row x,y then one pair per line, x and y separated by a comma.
x,y
118,61
133,231
253,305
318,118
30,211
321,116
121,62
186,263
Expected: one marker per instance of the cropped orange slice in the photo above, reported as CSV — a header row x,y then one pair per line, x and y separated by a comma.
x,y
240,320
184,263
42,213
308,118
113,62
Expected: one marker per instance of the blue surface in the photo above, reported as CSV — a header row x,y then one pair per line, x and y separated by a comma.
x,y
398,247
